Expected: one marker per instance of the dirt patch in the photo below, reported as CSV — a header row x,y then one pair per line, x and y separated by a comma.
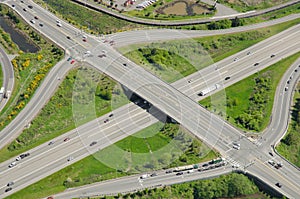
x,y
184,7
179,8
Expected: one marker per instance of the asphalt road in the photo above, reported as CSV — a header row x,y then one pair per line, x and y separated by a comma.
x,y
136,75
8,76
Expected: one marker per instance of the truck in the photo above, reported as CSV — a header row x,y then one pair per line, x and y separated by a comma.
x,y
144,176
183,168
2,90
209,89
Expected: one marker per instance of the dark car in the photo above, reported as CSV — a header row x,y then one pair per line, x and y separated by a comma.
x,y
278,185
36,17
50,143
41,24
227,78
24,155
124,64
271,154
10,184
66,139
69,58
110,115
153,174
256,64
169,171
93,143
8,189
272,55
68,37
30,6
179,173
24,9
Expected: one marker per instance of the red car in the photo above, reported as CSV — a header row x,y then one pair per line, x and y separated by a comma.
x,y
66,139
72,62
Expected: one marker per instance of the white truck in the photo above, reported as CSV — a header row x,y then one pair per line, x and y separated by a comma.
x,y
2,90
209,89
144,176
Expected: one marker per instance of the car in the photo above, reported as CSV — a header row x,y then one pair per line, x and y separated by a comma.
x,y
169,171
205,165
227,78
272,56
24,9
190,171
51,142
110,115
18,158
271,154
59,25
69,58
13,5
200,169
36,17
107,120
41,24
236,144
30,6
235,59
103,51
22,1
271,162
288,82
8,189
153,174
84,40
70,158
32,21
179,173
12,164
24,155
256,64
286,88
66,139
236,147
72,62
296,70
68,37
291,77
10,184
278,185
124,64
248,53
93,143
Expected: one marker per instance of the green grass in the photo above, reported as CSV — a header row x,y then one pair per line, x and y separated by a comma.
x,y
97,167
173,60
241,6
64,112
86,19
29,68
239,95
289,147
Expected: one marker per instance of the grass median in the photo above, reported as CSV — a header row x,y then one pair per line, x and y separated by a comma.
x,y
173,60
250,101
289,146
155,147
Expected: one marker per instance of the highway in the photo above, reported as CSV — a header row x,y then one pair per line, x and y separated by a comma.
x,y
8,76
143,81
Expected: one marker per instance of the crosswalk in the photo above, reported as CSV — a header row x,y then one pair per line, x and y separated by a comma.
x,y
234,163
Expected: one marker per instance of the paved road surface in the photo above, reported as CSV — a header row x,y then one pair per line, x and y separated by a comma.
x,y
118,72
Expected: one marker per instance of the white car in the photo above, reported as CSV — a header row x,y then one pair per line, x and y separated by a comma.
x,y
32,21
59,25
18,158
236,147
12,164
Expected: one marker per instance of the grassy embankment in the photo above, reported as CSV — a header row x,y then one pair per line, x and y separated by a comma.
x,y
289,146
29,68
147,150
244,6
250,101
60,114
173,60
86,19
